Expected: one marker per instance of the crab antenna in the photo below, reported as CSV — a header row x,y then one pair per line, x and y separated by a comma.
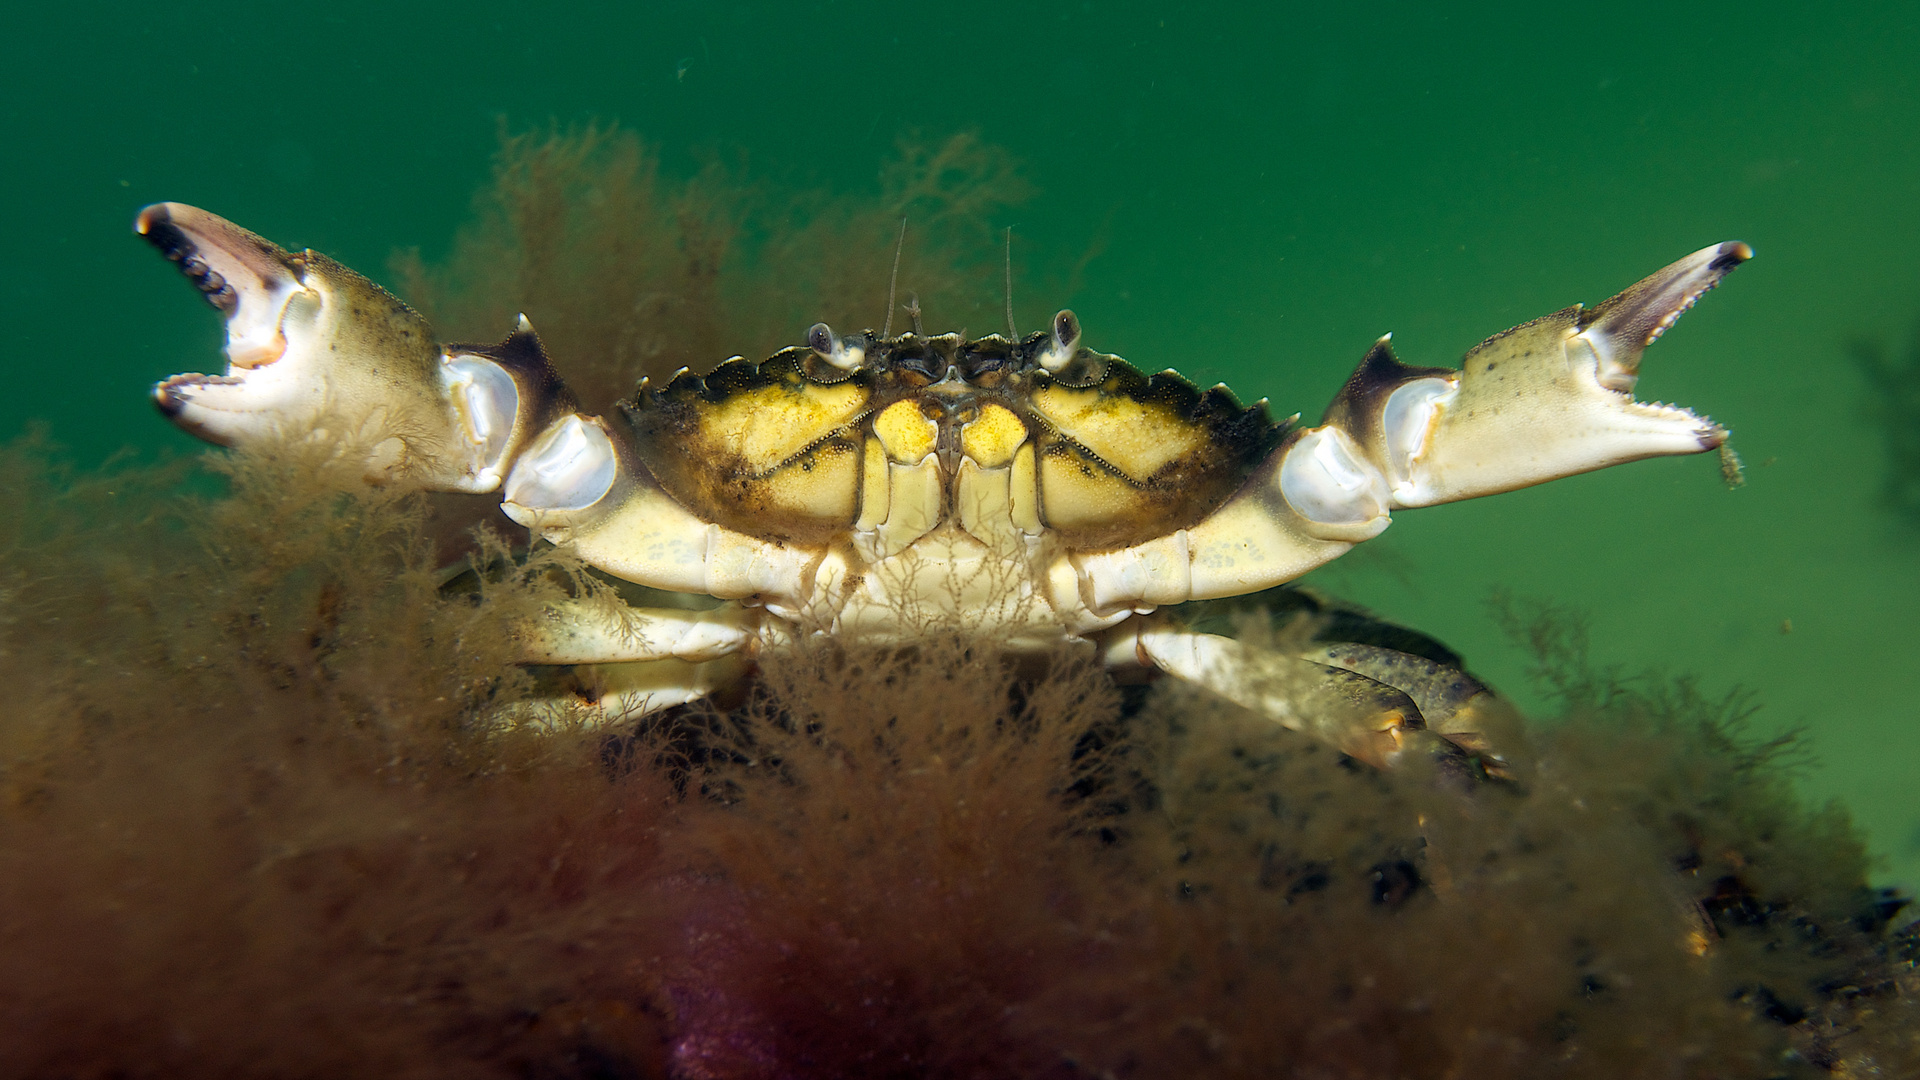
x,y
913,309
1012,334
893,279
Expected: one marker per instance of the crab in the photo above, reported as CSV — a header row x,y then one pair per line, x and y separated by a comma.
x,y
875,488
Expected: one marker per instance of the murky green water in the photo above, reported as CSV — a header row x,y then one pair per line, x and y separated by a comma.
x,y
1273,188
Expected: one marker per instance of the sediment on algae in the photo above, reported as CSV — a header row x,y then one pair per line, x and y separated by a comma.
x,y
252,826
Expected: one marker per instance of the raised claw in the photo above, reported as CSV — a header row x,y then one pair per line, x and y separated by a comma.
x,y
313,347
1546,399
308,340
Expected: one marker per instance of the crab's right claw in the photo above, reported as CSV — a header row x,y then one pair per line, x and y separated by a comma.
x,y
1546,399
314,347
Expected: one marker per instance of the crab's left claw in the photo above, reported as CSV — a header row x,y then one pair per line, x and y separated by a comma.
x,y
1547,399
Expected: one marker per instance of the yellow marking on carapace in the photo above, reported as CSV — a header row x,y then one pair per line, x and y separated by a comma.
x,y
823,485
1023,492
993,438
768,425
908,434
873,487
1136,438
1076,492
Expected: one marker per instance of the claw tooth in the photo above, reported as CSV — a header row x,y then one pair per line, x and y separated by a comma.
x,y
169,403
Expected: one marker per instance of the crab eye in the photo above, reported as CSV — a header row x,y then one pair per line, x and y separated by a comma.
x,y
829,346
821,340
1066,342
570,467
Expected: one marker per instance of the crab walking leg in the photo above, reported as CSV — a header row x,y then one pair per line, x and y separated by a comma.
x,y
604,632
1363,717
1452,704
600,695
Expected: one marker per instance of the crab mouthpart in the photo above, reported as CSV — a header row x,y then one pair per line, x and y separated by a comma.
x,y
245,277
1619,329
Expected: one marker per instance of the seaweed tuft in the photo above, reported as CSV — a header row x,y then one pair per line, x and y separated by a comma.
x,y
253,826
629,271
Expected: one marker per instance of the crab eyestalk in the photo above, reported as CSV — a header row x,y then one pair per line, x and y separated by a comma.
x,y
314,348
845,354
1547,399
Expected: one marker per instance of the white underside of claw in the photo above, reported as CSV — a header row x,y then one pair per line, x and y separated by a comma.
x,y
1407,423
485,400
1678,430
246,403
1328,481
254,334
569,468
1609,371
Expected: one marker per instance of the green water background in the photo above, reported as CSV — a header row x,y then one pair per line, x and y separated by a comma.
x,y
1277,186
